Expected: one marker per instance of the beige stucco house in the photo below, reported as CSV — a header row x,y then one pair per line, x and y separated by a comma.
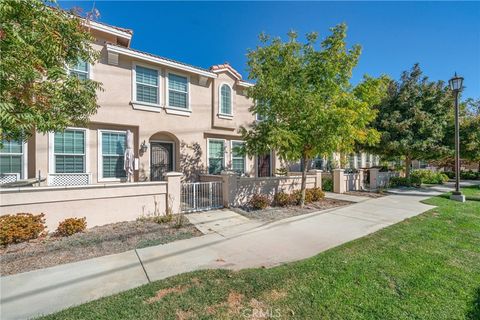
x,y
183,118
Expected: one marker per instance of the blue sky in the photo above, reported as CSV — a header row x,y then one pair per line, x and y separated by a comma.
x,y
443,37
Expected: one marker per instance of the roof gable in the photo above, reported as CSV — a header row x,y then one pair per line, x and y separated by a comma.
x,y
226,67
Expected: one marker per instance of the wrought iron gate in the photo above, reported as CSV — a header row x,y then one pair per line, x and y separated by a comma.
x,y
161,160
199,196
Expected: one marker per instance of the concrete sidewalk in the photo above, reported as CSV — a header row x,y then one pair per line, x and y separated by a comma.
x,y
237,243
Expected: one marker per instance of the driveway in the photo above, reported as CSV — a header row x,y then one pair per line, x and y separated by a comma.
x,y
232,242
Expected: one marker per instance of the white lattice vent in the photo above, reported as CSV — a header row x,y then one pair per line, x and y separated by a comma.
x,y
9,177
69,179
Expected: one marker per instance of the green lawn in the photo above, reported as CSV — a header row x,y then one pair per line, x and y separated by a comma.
x,y
427,267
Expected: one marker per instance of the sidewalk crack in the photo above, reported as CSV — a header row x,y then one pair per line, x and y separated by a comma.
x,y
143,267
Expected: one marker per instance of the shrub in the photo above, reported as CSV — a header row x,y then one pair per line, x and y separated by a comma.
x,y
296,196
444,178
450,174
469,175
428,176
311,195
20,227
400,182
415,181
283,199
317,194
71,226
464,175
163,218
179,221
327,184
308,196
259,201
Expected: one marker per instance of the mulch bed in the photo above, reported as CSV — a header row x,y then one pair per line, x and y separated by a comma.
x,y
278,213
94,242
365,194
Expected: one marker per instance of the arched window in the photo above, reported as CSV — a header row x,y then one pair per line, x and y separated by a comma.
x,y
225,99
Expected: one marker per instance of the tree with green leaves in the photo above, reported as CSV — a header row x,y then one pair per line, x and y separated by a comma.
x,y
38,41
470,131
470,139
413,118
469,136
304,95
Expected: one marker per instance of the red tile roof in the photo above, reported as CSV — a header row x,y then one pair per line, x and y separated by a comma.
x,y
78,13
226,66
130,31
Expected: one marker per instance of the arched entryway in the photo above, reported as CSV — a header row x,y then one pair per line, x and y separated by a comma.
x,y
163,154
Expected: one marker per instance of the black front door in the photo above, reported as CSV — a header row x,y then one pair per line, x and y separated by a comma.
x,y
263,165
161,160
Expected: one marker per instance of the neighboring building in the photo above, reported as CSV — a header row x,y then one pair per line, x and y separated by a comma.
x,y
361,160
184,118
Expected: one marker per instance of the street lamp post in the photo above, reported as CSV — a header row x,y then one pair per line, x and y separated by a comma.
x,y
456,84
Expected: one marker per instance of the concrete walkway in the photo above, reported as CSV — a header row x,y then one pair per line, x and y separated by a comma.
x,y
223,222
345,197
231,241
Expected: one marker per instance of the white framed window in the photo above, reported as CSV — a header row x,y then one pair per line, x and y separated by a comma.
x,y
178,92
81,70
216,155
225,100
69,151
146,85
13,158
111,150
238,159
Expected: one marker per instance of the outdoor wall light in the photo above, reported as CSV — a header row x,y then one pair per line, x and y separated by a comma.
x,y
143,147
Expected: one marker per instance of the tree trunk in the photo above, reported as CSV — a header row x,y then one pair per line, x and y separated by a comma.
x,y
304,181
408,163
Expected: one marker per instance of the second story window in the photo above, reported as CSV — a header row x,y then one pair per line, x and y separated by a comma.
x,y
146,85
80,70
178,91
225,100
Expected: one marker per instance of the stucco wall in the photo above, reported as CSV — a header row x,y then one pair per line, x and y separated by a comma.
x,y
239,190
100,204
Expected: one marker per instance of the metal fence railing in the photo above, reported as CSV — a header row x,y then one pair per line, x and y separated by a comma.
x,y
199,196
